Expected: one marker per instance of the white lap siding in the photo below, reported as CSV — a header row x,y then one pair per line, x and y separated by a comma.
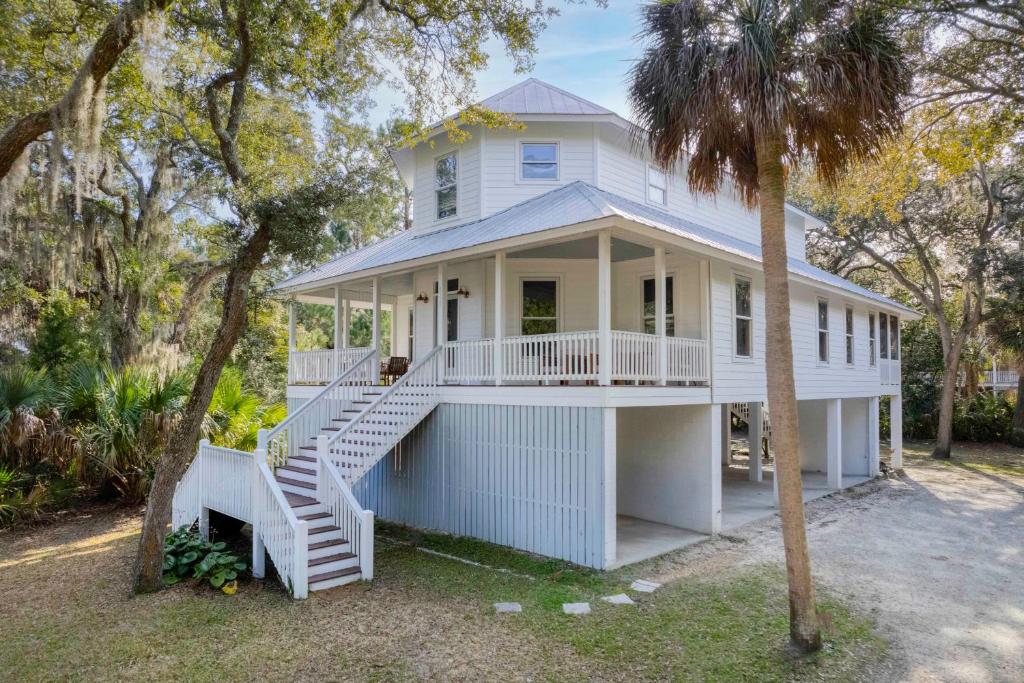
x,y
528,477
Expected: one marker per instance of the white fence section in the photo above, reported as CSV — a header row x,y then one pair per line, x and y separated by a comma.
x,y
356,524
562,356
284,535
634,356
1001,378
889,371
469,362
284,440
218,479
687,360
322,365
369,436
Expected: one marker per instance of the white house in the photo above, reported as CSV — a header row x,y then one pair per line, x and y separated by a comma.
x,y
579,330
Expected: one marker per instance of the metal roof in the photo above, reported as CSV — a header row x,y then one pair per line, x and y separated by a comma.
x,y
571,204
537,97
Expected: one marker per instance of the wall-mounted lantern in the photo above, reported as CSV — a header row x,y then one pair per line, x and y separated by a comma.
x,y
463,292
423,298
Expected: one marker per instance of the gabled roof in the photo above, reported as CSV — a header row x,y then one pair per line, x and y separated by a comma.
x,y
571,204
534,96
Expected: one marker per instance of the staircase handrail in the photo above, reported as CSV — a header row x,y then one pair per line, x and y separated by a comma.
x,y
294,566
356,524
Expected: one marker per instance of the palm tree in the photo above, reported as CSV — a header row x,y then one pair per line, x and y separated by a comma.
x,y
744,89
22,393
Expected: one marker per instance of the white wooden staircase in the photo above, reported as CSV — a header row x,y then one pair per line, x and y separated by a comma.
x,y
299,478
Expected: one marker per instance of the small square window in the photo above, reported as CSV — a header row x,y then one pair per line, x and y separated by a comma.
x,y
539,161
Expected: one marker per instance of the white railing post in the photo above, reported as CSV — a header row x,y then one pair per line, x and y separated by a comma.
x,y
604,307
300,575
659,314
499,315
441,301
339,329
366,544
375,283
259,553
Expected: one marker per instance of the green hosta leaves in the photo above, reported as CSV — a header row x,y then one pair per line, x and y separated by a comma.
x,y
187,554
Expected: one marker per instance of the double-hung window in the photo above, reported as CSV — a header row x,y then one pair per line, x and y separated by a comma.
x,y
872,342
822,330
894,337
446,178
883,336
650,308
849,335
657,186
743,314
538,161
540,307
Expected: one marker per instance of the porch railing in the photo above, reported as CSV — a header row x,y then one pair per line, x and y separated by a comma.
x,y
889,371
322,365
574,357
1002,378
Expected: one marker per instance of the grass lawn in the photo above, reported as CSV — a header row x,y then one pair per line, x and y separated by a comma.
x,y
993,458
66,615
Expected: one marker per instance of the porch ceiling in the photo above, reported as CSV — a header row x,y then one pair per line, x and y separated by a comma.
x,y
585,249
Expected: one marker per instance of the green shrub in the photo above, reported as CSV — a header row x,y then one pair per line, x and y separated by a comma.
x,y
65,334
187,555
984,417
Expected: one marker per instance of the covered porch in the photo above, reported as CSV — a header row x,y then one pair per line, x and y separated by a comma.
x,y
597,309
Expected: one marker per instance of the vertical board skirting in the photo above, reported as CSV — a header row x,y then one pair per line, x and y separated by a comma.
x,y
529,477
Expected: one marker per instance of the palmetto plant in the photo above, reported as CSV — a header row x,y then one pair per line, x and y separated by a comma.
x,y
235,416
22,392
743,90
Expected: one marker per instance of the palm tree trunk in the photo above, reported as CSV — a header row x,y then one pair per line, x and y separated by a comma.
x,y
181,446
804,633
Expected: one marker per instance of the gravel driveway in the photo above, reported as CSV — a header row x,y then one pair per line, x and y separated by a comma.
x,y
936,557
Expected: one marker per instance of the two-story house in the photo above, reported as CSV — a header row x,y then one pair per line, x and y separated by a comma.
x,y
572,331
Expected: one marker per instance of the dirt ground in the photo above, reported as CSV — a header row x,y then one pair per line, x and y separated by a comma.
x,y
935,557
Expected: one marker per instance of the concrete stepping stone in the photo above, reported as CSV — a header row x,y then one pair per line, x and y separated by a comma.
x,y
620,599
508,607
576,607
645,586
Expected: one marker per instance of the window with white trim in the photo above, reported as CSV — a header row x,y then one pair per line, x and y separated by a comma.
x,y
538,161
822,330
883,336
650,308
657,185
872,341
849,335
540,307
446,174
743,316
894,337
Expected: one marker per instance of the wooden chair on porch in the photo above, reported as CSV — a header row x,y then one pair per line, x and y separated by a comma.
x,y
393,368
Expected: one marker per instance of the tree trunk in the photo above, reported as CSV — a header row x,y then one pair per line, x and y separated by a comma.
x,y
947,399
181,445
804,633
198,286
1017,425
114,40
125,345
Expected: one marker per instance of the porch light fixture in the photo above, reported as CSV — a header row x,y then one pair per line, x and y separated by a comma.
x,y
463,292
423,298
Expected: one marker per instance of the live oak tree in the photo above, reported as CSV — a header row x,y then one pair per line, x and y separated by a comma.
x,y
939,211
283,60
1006,329
743,90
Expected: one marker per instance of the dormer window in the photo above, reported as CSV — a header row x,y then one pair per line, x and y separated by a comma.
x,y
446,173
538,161
657,186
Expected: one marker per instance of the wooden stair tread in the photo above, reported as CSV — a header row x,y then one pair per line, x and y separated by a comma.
x,y
314,516
296,468
297,501
327,544
317,561
324,529
304,458
296,482
338,573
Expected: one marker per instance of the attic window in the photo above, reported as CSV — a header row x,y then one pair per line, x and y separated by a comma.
x,y
446,176
538,161
657,186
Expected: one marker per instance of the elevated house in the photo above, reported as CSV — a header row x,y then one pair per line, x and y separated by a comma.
x,y
573,337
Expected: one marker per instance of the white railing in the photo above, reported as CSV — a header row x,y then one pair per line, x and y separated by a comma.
x,y
635,356
285,536
1002,378
889,371
322,365
469,362
284,440
356,524
218,479
377,428
562,356
687,360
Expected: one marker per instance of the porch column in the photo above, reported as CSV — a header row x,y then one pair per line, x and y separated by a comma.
x,y
610,488
375,328
896,430
713,469
442,304
338,328
291,325
754,436
834,442
499,315
604,307
346,319
659,314
725,434
873,436
391,337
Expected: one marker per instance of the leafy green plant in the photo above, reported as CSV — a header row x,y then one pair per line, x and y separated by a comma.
x,y
187,555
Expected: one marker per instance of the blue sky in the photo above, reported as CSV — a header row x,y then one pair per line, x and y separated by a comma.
x,y
586,50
